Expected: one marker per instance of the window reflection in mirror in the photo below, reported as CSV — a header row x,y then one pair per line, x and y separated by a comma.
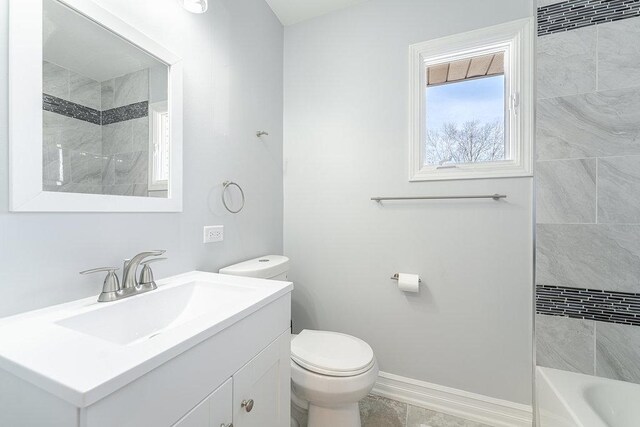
x,y
105,117
465,109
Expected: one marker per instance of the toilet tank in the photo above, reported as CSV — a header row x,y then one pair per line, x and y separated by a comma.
x,y
273,267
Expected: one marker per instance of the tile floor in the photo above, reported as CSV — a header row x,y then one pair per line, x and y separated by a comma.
x,y
377,411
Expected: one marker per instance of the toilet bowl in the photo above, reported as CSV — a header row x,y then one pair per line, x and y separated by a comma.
x,y
330,371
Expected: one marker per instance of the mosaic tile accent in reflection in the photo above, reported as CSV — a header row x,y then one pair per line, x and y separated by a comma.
x,y
70,109
107,117
128,112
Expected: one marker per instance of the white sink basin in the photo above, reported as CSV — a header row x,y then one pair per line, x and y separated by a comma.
x,y
84,350
139,319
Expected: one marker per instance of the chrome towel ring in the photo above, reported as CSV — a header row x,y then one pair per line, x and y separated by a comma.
x,y
226,185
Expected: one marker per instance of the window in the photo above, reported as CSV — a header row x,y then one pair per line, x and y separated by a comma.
x,y
465,106
160,149
470,97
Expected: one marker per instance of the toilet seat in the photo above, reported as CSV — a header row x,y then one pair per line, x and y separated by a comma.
x,y
331,353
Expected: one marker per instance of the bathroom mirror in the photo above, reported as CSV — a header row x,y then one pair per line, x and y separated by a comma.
x,y
95,112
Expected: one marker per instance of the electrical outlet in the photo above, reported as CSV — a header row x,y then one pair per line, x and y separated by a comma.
x,y
213,233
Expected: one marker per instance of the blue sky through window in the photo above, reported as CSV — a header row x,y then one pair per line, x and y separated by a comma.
x,y
465,121
479,99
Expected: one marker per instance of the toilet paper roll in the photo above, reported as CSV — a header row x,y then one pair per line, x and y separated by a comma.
x,y
408,282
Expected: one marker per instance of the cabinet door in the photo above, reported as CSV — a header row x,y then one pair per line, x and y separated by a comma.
x,y
221,405
214,411
261,388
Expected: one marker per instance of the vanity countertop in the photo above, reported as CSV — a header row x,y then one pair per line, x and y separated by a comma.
x,y
83,350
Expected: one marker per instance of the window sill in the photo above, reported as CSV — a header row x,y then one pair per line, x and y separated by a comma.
x,y
487,171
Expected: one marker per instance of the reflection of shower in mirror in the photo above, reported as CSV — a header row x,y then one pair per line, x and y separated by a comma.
x,y
105,120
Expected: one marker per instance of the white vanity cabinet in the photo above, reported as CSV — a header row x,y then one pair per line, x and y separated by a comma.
x,y
264,383
256,396
216,410
220,356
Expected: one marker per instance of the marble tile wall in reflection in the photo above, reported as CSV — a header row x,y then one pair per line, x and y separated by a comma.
x,y
83,154
125,90
72,154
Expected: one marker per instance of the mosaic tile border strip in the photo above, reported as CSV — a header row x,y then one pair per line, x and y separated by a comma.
x,y
589,304
128,112
572,14
107,117
70,109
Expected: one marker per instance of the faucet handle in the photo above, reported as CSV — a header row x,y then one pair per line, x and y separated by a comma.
x,y
99,269
111,284
146,275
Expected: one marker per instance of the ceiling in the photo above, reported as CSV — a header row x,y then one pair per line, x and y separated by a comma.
x,y
294,11
78,44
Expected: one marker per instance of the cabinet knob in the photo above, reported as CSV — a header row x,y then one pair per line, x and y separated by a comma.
x,y
247,405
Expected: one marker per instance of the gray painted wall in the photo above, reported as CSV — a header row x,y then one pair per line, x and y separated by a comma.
x,y
345,141
232,87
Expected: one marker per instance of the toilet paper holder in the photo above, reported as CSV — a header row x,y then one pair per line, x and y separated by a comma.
x,y
395,277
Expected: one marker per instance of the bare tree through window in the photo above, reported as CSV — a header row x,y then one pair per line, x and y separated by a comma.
x,y
468,142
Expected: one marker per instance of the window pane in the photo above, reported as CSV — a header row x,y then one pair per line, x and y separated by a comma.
x,y
164,148
465,113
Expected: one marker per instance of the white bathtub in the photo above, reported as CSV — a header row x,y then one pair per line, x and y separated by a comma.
x,y
567,399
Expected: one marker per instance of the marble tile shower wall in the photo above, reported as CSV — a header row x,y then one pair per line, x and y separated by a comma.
x,y
81,155
588,196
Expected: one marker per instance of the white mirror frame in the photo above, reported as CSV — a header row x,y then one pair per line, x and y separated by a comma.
x,y
25,116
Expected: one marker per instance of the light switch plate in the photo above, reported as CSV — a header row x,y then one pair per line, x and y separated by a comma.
x,y
213,233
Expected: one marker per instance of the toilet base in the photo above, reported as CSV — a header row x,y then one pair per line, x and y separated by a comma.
x,y
347,415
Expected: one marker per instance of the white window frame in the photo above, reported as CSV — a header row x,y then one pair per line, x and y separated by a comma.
x,y
516,40
156,110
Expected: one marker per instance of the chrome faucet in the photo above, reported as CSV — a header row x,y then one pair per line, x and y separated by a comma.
x,y
129,279
112,290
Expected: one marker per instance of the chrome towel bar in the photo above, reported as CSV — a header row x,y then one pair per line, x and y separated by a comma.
x,y
495,197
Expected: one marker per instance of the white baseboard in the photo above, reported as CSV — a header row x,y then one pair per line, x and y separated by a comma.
x,y
463,404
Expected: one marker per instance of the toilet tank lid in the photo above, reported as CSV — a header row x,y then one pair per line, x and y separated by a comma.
x,y
264,267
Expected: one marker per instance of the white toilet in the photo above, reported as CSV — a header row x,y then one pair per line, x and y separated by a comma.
x,y
330,372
